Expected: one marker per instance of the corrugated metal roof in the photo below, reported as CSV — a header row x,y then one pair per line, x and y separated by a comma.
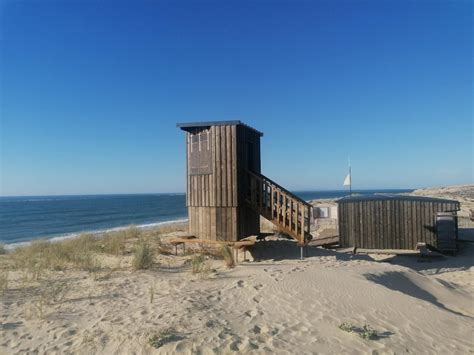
x,y
384,197
185,125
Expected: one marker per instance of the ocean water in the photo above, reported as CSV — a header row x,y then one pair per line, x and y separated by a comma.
x,y
23,219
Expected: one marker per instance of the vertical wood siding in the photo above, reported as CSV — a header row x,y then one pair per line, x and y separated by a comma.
x,y
216,208
216,189
389,224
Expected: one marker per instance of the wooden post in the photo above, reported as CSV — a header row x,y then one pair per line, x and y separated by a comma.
x,y
278,207
296,218
291,214
302,223
272,201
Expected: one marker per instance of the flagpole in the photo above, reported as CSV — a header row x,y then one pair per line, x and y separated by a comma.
x,y
350,181
350,176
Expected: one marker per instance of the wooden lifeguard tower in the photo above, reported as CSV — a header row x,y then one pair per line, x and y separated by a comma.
x,y
225,191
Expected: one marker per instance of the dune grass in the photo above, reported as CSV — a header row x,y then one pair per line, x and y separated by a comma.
x,y
228,256
77,253
42,255
365,332
3,251
87,251
114,243
158,340
3,282
199,266
142,256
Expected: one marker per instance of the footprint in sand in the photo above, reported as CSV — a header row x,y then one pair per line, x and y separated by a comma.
x,y
240,283
257,299
256,329
258,287
253,313
234,346
299,269
276,277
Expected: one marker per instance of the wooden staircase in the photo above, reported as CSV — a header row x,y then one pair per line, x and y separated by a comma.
x,y
288,212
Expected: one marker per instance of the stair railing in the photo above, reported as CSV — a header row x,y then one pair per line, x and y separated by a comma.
x,y
286,210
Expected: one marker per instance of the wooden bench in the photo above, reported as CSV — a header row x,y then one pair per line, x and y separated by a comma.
x,y
239,245
181,240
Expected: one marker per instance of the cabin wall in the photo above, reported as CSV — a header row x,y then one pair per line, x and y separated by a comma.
x,y
389,224
217,189
248,158
216,209
213,223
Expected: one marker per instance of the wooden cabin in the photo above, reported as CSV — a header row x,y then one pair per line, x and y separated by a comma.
x,y
225,191
218,154
391,221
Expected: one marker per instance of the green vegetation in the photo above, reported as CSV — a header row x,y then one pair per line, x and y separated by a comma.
x,y
41,255
3,282
114,243
132,232
2,249
79,253
152,293
158,340
142,256
366,332
199,265
347,327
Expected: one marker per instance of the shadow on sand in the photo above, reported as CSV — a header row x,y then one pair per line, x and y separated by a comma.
x,y
463,260
283,249
398,281
276,250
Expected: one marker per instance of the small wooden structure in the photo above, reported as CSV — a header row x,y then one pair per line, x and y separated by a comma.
x,y
390,221
218,156
225,191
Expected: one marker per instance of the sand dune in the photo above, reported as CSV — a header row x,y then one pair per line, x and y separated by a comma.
x,y
275,304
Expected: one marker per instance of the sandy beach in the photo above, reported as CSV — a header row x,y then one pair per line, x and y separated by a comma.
x,y
271,302
236,177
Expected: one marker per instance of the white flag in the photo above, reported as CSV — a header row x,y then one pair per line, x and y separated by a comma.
x,y
347,180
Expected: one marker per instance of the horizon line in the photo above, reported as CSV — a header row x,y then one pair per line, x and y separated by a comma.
x,y
184,193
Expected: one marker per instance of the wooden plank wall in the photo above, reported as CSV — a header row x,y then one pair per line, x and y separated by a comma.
x,y
217,189
213,223
389,224
215,208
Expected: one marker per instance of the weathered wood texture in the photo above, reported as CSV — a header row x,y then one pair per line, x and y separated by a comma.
x,y
216,207
288,212
390,223
216,188
248,159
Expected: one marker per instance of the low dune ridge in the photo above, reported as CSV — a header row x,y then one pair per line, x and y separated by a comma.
x,y
462,193
276,303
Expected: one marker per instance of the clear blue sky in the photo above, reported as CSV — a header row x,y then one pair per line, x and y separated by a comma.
x,y
91,91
